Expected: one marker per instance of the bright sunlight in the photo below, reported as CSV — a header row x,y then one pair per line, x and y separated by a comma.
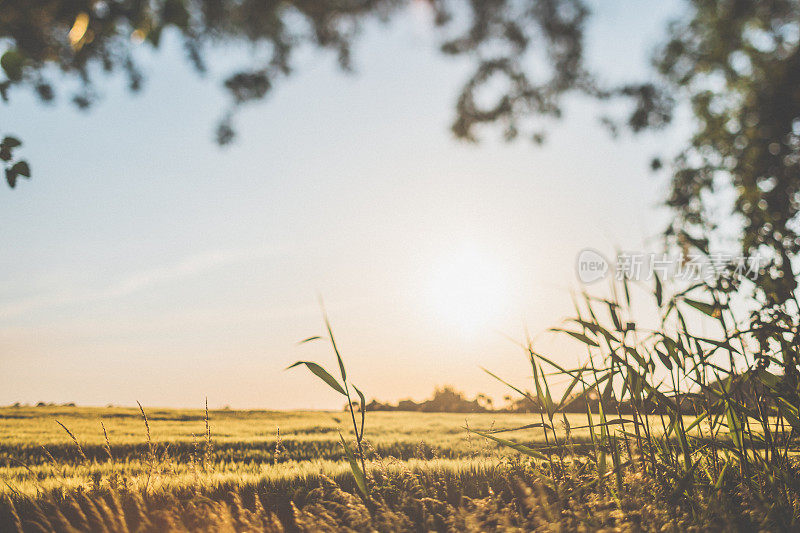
x,y
469,289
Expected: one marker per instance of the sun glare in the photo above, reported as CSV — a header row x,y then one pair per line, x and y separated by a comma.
x,y
468,290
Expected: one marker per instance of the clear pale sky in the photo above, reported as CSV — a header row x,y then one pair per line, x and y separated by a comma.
x,y
142,262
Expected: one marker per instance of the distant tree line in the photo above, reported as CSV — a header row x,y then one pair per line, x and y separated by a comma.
x,y
447,399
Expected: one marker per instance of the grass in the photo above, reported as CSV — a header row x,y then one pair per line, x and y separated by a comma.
x,y
425,470
243,441
681,432
36,426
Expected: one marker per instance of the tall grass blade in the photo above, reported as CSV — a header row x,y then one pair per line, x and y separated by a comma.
x,y
521,448
358,474
711,310
580,336
363,411
322,374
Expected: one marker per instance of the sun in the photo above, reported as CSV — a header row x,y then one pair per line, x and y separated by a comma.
x,y
469,289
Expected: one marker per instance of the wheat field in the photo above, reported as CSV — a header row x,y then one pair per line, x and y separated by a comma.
x,y
106,470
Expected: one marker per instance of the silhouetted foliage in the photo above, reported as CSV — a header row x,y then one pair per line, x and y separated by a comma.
x,y
82,38
445,400
737,63
13,168
747,387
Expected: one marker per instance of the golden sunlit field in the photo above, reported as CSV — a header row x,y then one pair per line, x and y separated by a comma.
x,y
110,469
38,454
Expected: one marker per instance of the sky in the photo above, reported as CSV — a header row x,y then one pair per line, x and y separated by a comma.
x,y
143,262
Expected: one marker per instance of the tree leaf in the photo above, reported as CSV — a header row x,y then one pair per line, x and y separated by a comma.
x,y
22,168
11,177
10,142
12,62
